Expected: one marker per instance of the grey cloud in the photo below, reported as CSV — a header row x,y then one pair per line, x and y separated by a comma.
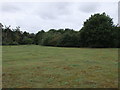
x,y
48,16
89,7
62,7
53,10
9,7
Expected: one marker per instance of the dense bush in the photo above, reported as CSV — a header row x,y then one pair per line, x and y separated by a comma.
x,y
68,40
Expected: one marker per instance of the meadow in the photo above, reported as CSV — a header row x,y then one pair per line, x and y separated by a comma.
x,y
34,66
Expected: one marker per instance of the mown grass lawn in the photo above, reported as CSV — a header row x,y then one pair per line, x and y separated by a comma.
x,y
32,66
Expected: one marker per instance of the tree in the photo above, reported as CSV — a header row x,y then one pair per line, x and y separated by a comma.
x,y
7,36
61,31
116,36
46,39
96,31
17,36
27,40
68,39
1,26
38,37
1,29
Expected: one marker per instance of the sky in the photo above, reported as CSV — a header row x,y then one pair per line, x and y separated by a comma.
x,y
35,16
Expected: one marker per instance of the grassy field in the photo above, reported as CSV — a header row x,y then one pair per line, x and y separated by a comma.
x,y
54,67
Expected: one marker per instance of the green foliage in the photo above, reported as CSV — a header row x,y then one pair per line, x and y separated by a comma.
x,y
7,36
51,38
46,39
27,40
68,39
14,43
97,31
38,37
16,37
116,36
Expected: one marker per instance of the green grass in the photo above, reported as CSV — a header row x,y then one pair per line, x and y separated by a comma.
x,y
35,66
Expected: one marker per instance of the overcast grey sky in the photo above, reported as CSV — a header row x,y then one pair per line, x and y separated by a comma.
x,y
35,16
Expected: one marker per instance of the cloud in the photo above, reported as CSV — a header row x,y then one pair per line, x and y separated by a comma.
x,y
9,8
89,7
52,10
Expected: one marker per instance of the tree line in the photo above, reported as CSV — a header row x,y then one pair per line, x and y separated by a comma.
x,y
97,31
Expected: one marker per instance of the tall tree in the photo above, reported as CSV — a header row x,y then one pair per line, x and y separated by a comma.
x,y
96,31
